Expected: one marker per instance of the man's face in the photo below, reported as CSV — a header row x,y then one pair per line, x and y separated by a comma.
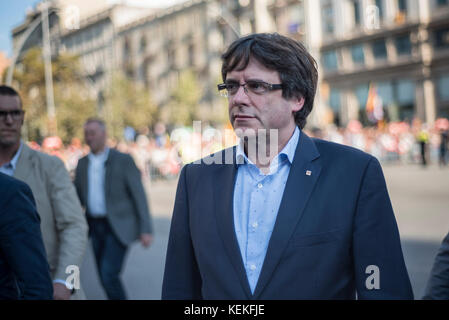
x,y
95,136
10,127
265,111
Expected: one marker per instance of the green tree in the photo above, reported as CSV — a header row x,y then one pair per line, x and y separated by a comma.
x,y
183,107
72,100
128,104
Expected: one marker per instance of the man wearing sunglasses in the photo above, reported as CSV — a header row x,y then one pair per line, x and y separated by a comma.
x,y
303,219
64,228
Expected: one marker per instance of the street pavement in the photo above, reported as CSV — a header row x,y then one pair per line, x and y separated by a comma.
x,y
420,199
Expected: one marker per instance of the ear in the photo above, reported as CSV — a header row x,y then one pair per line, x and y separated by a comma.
x,y
298,104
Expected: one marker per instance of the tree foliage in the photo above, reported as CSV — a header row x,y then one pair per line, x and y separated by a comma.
x,y
183,107
72,99
128,104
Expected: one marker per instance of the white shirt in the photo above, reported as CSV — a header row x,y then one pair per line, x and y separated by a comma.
x,y
96,202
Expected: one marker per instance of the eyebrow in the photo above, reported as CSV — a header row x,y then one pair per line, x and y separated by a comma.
x,y
251,79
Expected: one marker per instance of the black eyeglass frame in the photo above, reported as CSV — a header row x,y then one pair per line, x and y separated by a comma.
x,y
270,86
15,114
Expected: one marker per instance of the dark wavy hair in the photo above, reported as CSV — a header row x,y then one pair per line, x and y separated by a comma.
x,y
296,67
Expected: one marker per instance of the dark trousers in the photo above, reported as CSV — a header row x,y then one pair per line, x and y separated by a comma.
x,y
109,255
423,153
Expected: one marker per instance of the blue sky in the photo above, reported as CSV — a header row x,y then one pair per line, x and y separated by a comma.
x,y
12,13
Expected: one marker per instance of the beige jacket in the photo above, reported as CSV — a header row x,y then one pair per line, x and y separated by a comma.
x,y
63,224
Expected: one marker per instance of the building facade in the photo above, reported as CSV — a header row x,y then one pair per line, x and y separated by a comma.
x,y
398,48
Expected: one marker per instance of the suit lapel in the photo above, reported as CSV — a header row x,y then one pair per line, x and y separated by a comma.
x,y
224,211
108,174
296,194
84,182
25,163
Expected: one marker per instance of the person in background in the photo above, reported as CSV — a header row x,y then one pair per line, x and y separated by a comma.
x,y
110,189
438,283
444,139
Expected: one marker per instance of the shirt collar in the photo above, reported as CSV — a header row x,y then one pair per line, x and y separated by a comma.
x,y
14,159
101,156
288,151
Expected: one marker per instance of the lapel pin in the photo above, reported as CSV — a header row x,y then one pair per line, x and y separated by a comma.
x,y
308,173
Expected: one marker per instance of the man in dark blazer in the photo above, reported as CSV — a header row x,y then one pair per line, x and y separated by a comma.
x,y
109,186
311,220
24,270
438,284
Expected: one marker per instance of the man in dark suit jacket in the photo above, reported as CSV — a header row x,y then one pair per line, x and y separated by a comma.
x,y
24,270
281,216
109,186
438,284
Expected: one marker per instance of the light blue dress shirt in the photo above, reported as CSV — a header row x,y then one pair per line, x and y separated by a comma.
x,y
96,201
257,198
9,167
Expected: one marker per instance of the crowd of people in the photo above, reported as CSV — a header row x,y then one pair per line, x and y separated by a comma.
x,y
161,154
395,142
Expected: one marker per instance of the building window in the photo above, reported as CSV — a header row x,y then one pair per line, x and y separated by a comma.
x,y
334,100
330,60
361,92
405,98
405,90
379,50
356,12
403,45
443,85
171,63
328,18
335,104
442,38
385,91
191,53
296,19
358,56
379,5
126,50
402,6
143,45
402,12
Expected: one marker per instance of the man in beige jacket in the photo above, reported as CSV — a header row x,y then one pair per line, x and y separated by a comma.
x,y
63,225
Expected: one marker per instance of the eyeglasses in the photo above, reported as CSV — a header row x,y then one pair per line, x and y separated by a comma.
x,y
15,114
230,88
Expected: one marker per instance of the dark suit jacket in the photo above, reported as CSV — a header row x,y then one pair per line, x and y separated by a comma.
x,y
126,202
331,226
24,270
438,284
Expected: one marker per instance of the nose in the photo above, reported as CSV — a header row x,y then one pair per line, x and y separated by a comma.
x,y
241,96
8,118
